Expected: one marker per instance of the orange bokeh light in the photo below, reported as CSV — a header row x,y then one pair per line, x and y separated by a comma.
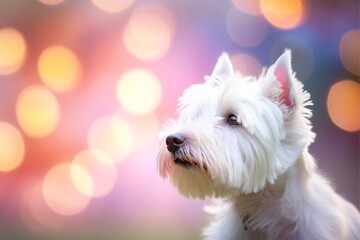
x,y
59,68
343,104
349,51
284,14
37,111
12,147
12,50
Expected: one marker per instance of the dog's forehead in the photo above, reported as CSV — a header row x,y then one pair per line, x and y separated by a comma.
x,y
206,98
196,98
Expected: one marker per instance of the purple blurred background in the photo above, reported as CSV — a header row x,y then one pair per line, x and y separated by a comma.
x,y
76,76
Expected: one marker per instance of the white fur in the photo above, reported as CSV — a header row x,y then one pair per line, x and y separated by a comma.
x,y
260,170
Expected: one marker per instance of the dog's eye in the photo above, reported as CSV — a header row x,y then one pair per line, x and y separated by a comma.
x,y
232,119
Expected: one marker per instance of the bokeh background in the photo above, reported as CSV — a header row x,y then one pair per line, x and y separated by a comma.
x,y
86,85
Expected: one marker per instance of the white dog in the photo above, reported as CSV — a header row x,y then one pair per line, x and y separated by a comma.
x,y
244,140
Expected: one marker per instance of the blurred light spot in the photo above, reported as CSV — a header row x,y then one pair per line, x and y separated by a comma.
x,y
284,14
343,104
139,91
12,50
59,68
101,171
145,129
350,52
240,27
111,135
302,60
249,7
34,211
51,2
82,179
12,147
113,5
60,193
37,111
246,64
149,32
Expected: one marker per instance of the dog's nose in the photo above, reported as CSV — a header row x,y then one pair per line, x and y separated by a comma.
x,y
174,141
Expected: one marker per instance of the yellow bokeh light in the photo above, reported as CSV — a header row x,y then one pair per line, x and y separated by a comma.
x,y
59,68
60,193
51,2
101,170
284,14
82,179
12,147
343,104
37,111
12,50
112,135
246,64
349,50
113,6
139,91
149,32
249,7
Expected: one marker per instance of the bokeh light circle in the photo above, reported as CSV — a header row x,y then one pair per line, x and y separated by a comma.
x,y
59,68
51,2
284,14
240,27
60,193
149,32
12,147
101,169
246,64
139,91
35,212
12,50
113,6
349,50
343,104
112,135
37,111
249,7
82,179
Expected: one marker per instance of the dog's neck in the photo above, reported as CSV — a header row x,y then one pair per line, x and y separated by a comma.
x,y
276,204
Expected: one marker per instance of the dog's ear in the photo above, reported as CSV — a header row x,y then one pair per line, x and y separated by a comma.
x,y
284,75
222,71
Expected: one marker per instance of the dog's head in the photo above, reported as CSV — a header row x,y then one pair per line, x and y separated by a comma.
x,y
235,133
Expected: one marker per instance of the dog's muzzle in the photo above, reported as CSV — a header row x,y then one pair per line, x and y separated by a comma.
x,y
174,142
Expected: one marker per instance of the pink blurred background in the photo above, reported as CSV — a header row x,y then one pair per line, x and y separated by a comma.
x,y
86,85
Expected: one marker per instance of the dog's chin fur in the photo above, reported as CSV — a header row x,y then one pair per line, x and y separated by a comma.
x,y
259,166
